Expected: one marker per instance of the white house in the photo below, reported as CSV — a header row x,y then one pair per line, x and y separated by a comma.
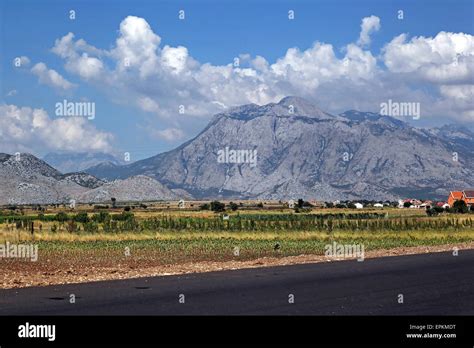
x,y
378,205
291,204
181,204
358,205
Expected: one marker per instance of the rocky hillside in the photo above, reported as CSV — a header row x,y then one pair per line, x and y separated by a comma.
x,y
302,151
136,188
28,180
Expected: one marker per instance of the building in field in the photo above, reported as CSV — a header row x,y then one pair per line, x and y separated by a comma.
x,y
466,196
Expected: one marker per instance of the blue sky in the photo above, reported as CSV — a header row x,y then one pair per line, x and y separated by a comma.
x,y
215,32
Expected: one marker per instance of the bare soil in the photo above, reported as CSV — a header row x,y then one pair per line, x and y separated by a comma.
x,y
18,274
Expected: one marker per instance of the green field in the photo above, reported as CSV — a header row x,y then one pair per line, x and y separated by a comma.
x,y
179,236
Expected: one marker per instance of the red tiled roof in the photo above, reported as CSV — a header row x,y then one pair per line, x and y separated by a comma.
x,y
457,194
469,193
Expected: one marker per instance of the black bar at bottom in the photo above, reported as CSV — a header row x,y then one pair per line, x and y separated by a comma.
x,y
449,331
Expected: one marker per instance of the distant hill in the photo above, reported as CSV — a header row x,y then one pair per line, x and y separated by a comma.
x,y
136,188
29,180
77,162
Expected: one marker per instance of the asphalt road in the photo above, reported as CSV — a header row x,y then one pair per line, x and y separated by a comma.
x,y
431,284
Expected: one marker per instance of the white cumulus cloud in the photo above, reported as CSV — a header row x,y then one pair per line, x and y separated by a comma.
x,y
51,77
158,80
27,129
368,26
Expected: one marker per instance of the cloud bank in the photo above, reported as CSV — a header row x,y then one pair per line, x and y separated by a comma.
x,y
168,83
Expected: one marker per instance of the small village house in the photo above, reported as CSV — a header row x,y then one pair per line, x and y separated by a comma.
x,y
466,196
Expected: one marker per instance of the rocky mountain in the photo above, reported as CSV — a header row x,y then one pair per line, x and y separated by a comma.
x,y
103,170
83,179
457,137
136,188
67,162
25,179
293,149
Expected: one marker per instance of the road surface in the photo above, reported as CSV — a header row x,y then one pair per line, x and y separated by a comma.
x,y
431,284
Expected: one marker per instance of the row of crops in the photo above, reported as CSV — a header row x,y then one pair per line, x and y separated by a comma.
x,y
263,222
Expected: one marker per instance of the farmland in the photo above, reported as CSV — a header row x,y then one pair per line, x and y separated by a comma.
x,y
77,244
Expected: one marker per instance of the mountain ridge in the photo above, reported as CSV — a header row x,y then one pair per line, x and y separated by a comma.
x,y
304,156
299,151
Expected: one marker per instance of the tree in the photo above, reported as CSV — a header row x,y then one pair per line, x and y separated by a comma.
x,y
407,204
205,206
233,206
460,207
114,200
217,206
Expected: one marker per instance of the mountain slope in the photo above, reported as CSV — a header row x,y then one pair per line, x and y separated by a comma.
x,y
77,162
29,180
305,152
136,188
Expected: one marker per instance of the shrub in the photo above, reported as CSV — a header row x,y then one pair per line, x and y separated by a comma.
x,y
233,206
81,217
61,217
71,226
204,206
91,227
217,206
101,217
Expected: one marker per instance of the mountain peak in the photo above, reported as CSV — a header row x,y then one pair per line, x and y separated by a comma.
x,y
302,107
295,101
288,106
